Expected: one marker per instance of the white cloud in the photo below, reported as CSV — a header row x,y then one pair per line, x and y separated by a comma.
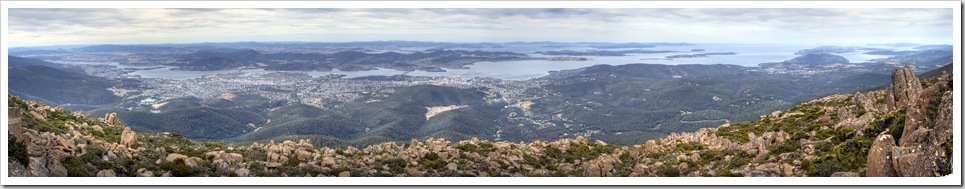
x,y
29,27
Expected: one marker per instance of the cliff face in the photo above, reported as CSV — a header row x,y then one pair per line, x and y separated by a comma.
x,y
904,130
926,134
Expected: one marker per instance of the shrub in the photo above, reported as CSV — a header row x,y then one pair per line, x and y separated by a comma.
x,y
17,150
784,147
180,169
668,171
893,121
850,155
467,147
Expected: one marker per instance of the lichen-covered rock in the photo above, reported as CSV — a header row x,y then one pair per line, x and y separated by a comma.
x,y
171,157
128,137
845,174
243,172
880,157
601,166
106,173
914,161
767,170
15,122
345,174
111,119
142,172
914,120
905,88
943,123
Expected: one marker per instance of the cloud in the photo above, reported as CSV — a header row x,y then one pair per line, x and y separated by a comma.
x,y
96,26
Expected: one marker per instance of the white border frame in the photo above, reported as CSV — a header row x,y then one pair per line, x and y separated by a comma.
x,y
952,179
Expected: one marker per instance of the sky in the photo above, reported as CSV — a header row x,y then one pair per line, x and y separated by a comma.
x,y
42,27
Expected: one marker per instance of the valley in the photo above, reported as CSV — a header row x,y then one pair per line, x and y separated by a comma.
x,y
619,104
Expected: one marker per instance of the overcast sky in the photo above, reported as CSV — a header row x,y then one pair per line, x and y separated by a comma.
x,y
40,27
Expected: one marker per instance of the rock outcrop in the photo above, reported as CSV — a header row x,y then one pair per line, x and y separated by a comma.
x,y
111,119
905,89
15,122
128,137
880,157
921,149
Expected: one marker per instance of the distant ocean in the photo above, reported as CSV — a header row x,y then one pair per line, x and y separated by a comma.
x,y
747,55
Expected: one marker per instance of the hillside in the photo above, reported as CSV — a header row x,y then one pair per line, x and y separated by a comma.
x,y
52,85
904,130
394,114
656,100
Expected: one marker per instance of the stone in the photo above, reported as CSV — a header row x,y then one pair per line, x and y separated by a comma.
x,y
914,119
767,170
905,88
111,119
880,157
913,161
345,174
172,156
452,166
600,167
845,174
142,172
866,101
243,172
15,123
128,137
57,169
943,123
106,173
193,162
38,167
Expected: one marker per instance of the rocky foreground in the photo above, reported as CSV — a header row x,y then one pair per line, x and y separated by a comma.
x,y
904,130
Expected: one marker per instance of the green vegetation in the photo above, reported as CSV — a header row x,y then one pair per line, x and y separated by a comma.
x,y
180,169
893,121
17,150
849,156
432,161
784,147
199,123
54,85
668,171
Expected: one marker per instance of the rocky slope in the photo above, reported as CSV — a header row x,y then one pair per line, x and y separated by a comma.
x,y
904,130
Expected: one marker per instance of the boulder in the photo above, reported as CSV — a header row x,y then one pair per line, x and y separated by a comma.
x,y
142,172
767,170
38,167
56,169
172,156
111,119
880,157
905,88
845,174
600,167
243,172
193,162
452,166
106,173
128,137
866,101
15,122
913,161
943,123
914,119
